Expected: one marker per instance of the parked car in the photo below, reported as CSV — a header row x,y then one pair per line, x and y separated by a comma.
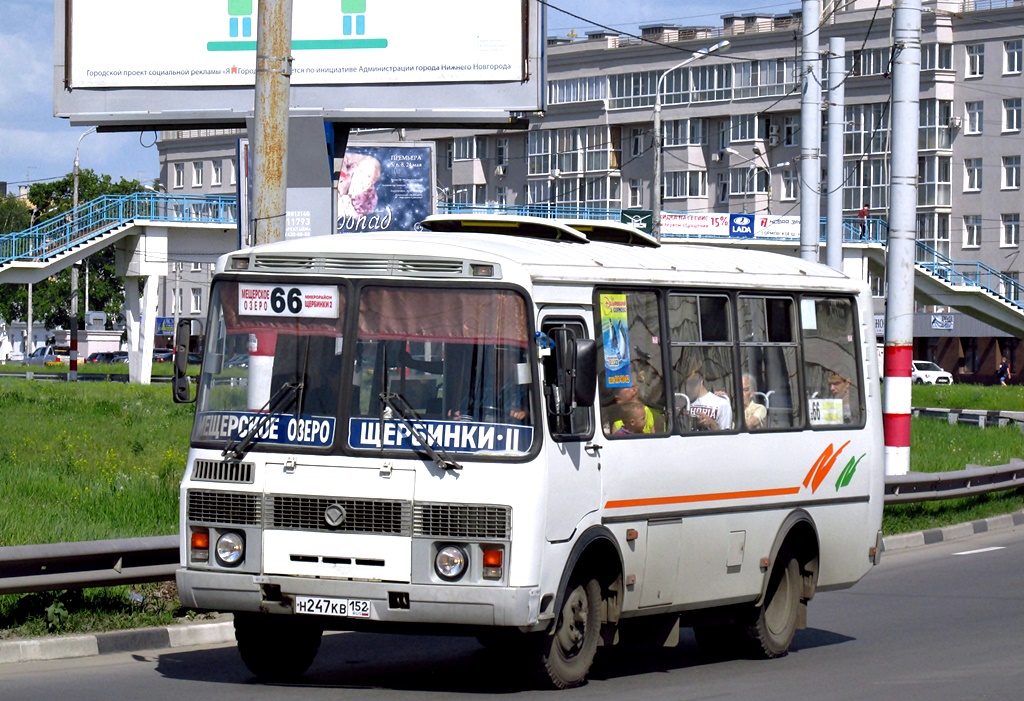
x,y
49,355
926,372
119,357
163,355
238,361
101,357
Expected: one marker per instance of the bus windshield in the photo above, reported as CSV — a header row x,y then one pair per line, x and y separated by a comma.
x,y
444,367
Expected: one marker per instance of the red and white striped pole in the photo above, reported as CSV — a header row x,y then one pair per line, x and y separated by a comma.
x,y
899,308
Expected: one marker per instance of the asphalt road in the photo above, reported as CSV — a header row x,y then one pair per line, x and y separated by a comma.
x,y
943,622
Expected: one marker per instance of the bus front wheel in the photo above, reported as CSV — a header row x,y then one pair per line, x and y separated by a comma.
x,y
276,647
569,647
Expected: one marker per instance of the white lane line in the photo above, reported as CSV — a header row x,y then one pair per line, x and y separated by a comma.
x,y
981,550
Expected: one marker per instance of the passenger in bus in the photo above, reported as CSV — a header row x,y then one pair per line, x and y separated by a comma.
x,y
634,419
624,396
754,414
709,411
839,387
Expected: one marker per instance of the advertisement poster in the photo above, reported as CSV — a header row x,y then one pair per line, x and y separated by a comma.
x,y
383,187
737,225
615,339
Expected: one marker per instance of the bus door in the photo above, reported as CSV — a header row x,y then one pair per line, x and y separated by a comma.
x,y
571,452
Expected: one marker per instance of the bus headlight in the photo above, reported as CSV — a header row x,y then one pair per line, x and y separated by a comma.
x,y
230,549
450,562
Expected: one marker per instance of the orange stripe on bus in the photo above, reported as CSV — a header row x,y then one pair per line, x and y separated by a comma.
x,y
692,498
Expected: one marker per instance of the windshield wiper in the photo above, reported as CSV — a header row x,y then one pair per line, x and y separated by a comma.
x,y
400,407
235,450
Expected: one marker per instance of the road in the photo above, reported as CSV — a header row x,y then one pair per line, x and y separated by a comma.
x,y
938,623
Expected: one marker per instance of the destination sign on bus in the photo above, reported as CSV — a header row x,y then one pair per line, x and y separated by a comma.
x,y
317,301
277,429
456,436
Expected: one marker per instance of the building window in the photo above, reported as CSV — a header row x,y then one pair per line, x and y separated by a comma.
x,y
501,152
1012,56
234,171
936,57
501,195
686,183
975,117
538,145
1011,230
449,155
197,300
197,267
1011,114
1011,172
790,185
972,231
197,173
790,126
975,60
723,188
465,148
481,147
179,175
934,181
636,142
635,196
972,174
176,296
743,127
218,173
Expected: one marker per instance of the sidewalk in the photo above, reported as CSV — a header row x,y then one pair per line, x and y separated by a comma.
x,y
222,629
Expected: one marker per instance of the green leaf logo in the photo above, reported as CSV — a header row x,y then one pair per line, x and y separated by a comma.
x,y
847,474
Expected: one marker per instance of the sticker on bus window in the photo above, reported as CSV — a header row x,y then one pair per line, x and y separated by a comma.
x,y
316,301
455,436
615,340
825,411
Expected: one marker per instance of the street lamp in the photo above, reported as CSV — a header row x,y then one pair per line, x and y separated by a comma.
x,y
73,366
657,128
754,167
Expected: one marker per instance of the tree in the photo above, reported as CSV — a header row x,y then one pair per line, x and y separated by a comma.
x,y
51,297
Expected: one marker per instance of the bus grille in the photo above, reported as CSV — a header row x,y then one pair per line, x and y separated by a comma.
x,y
376,516
223,471
462,521
236,508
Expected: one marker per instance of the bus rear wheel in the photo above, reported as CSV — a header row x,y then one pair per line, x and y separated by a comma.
x,y
276,647
778,617
570,646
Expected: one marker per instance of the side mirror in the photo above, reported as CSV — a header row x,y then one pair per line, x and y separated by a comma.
x,y
180,382
585,389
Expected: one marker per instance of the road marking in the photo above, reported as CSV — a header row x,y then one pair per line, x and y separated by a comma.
x,y
981,550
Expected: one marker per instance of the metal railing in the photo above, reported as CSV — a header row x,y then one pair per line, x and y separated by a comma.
x,y
92,219
970,273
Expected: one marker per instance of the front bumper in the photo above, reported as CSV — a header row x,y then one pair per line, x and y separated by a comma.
x,y
419,603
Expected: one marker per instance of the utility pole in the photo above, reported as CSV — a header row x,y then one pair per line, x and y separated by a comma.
x,y
899,274
73,365
810,133
834,174
270,113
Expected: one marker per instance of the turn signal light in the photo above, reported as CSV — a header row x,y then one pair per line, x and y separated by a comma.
x,y
492,561
200,546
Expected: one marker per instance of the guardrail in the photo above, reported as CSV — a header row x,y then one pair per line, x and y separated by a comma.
x,y
101,563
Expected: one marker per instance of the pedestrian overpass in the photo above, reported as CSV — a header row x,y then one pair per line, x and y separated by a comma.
x,y
151,229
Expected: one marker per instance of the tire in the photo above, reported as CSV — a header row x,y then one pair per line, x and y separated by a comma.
x,y
778,617
569,647
276,648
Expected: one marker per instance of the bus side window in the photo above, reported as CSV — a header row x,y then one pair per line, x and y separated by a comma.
x,y
834,388
769,356
703,376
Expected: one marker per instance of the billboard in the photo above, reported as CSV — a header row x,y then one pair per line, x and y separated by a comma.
x,y
366,61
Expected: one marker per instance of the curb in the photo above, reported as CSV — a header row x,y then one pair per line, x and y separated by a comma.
x,y
955,532
223,631
68,646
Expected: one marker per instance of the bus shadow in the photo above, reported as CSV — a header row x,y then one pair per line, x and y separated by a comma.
x,y
446,664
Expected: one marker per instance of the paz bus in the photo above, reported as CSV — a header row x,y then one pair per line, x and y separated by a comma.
x,y
429,432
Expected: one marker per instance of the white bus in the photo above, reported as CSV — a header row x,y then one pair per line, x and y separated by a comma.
x,y
550,435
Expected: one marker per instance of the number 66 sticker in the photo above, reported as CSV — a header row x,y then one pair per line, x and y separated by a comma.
x,y
318,301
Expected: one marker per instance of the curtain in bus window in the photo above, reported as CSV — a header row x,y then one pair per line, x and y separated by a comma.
x,y
632,378
703,376
768,353
834,389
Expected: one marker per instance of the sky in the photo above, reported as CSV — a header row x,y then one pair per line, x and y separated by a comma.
x,y
35,146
